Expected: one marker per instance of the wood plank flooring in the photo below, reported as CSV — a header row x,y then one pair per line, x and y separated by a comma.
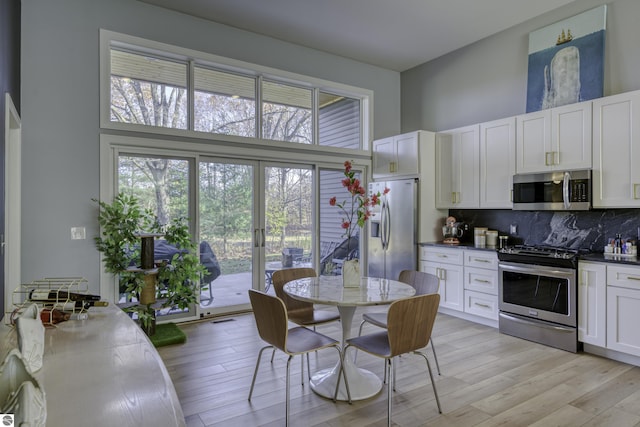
x,y
487,379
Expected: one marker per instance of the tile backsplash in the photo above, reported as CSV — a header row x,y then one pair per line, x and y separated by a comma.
x,y
575,230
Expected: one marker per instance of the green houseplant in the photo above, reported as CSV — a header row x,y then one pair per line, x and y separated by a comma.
x,y
122,223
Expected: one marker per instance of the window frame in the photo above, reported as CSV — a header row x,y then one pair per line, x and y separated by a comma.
x,y
196,58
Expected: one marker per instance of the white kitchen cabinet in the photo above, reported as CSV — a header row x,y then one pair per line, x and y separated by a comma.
x,y
497,163
616,151
481,283
592,303
623,309
458,168
447,264
397,155
555,139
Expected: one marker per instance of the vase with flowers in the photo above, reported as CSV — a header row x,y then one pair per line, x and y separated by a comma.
x,y
356,210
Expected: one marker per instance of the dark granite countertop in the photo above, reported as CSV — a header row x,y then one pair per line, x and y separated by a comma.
x,y
462,245
616,259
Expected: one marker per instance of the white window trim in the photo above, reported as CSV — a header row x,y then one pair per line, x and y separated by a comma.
x,y
108,37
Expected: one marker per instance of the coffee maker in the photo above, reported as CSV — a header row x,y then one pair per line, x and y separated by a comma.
x,y
452,231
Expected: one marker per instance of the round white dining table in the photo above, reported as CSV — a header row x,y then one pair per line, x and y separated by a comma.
x,y
329,290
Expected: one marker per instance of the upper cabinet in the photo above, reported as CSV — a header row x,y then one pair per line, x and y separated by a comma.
x,y
616,151
497,163
396,156
458,168
554,139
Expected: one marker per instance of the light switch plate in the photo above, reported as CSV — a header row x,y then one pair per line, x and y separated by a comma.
x,y
513,229
78,233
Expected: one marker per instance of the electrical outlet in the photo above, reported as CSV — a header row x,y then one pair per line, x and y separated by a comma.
x,y
513,229
78,233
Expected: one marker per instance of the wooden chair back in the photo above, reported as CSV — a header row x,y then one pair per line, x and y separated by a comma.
x,y
410,323
294,306
271,318
423,283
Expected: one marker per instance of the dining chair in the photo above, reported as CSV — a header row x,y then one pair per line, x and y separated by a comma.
x,y
409,326
300,312
423,283
272,322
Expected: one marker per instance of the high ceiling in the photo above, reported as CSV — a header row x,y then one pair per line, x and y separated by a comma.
x,y
393,34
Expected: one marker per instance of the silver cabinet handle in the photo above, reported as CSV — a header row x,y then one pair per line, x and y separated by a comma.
x,y
482,305
633,278
481,281
481,260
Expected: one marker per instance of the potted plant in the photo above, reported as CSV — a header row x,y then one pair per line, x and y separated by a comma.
x,y
122,223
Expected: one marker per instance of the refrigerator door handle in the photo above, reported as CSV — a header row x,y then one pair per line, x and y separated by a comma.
x,y
388,226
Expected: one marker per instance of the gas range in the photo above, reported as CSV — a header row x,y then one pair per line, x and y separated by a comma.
x,y
541,255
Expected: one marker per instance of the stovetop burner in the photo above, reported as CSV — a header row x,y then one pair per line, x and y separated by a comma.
x,y
543,255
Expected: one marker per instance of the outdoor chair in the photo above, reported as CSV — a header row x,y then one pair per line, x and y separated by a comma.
x,y
272,322
409,325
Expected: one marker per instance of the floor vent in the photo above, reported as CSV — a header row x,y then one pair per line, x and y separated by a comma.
x,y
223,320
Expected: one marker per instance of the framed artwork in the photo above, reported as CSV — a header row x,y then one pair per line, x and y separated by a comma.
x,y
566,61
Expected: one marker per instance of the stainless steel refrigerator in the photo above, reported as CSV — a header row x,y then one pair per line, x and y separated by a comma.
x,y
393,229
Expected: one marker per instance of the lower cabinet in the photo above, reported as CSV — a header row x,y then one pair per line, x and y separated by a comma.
x,y
447,265
592,308
468,279
623,309
609,306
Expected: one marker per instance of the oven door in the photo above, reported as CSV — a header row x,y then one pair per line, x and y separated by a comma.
x,y
538,292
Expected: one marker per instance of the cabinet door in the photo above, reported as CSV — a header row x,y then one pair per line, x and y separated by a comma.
x,y
571,136
616,151
592,305
451,288
533,142
444,176
466,167
623,318
497,163
407,153
384,156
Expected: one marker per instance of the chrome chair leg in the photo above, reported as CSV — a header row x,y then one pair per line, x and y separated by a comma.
x,y
286,416
433,384
344,374
388,368
433,348
355,356
255,372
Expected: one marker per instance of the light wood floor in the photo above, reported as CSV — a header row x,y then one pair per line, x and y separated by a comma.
x,y
488,379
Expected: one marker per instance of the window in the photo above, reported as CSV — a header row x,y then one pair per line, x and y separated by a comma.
x,y
148,91
286,113
224,103
339,121
162,86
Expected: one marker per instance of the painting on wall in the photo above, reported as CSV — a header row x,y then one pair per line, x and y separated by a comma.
x,y
566,61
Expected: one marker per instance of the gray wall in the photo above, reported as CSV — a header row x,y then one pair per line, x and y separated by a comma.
x,y
488,79
60,111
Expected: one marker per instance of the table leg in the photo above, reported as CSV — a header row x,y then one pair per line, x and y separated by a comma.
x,y
363,384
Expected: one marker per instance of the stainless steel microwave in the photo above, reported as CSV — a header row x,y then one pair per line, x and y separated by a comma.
x,y
553,191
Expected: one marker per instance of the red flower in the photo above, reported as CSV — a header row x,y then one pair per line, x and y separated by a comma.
x,y
386,190
358,212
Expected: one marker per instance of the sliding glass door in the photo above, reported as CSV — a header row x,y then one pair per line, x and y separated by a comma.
x,y
257,218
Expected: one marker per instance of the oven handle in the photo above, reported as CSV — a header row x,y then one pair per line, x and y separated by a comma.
x,y
538,323
538,270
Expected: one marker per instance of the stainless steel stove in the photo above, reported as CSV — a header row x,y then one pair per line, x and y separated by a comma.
x,y
538,294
